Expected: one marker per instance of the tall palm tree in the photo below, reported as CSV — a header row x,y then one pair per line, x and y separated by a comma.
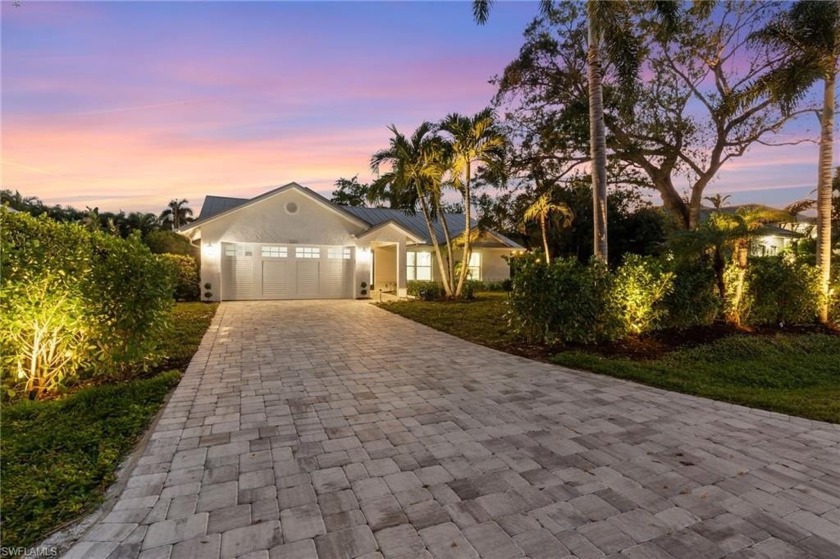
x,y
540,210
415,169
176,214
609,29
808,34
472,140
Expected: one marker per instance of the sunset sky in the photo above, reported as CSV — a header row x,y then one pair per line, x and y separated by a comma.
x,y
126,105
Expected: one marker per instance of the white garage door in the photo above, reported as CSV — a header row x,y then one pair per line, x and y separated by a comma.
x,y
254,271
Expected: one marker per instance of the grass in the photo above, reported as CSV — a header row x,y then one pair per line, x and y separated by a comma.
x,y
792,373
796,374
59,456
480,320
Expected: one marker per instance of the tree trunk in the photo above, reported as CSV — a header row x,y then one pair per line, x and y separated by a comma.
x,y
450,254
824,191
597,135
544,229
465,262
447,287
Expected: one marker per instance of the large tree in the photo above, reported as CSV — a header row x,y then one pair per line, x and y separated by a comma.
x,y
609,30
350,192
693,111
471,141
808,37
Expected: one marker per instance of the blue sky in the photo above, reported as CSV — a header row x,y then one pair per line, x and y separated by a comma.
x,y
124,105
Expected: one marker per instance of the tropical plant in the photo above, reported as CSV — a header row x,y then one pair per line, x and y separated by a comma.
x,y
349,192
540,210
808,36
415,168
725,239
176,214
473,141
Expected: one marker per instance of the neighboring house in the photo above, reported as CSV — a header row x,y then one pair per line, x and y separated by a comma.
x,y
773,238
292,243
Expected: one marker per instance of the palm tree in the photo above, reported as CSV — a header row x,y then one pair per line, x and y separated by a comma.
x,y
92,220
472,140
808,35
176,214
718,200
540,210
726,237
609,28
415,168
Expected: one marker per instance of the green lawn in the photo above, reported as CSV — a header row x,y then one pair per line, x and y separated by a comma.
x,y
59,456
793,373
481,320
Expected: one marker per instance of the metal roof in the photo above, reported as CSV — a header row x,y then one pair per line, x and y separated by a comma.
x,y
415,223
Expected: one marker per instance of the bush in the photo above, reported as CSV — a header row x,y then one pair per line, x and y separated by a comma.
x,y
102,302
185,271
565,301
834,297
504,285
169,242
425,290
780,292
639,285
693,299
129,298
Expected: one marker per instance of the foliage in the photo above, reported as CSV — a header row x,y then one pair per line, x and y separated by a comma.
x,y
43,336
350,192
781,292
503,285
693,299
176,215
788,373
115,290
185,271
128,299
540,210
639,286
59,456
692,114
425,290
564,301
169,242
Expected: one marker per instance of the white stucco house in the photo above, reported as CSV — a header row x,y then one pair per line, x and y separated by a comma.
x,y
292,243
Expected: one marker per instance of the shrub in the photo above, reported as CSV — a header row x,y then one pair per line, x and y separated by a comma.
x,y
780,291
693,299
185,271
638,288
834,297
565,301
129,299
105,301
425,290
43,336
169,242
504,285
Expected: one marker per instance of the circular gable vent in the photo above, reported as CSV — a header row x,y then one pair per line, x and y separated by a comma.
x,y
291,208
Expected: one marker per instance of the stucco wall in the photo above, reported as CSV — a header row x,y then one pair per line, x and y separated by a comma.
x,y
493,266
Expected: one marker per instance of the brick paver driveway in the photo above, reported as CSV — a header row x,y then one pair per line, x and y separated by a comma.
x,y
337,430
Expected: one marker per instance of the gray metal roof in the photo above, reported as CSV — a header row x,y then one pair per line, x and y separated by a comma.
x,y
415,223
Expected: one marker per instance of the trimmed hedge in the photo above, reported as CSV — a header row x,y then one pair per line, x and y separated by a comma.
x,y
113,290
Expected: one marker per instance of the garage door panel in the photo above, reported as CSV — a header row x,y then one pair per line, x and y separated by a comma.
x,y
334,279
276,280
309,279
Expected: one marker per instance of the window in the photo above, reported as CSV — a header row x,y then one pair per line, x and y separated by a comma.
x,y
418,266
275,252
230,250
237,250
475,266
338,253
307,252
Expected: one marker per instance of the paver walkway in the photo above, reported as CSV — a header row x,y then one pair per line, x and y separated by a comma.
x,y
337,430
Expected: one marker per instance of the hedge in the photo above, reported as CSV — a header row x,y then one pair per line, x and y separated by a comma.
x,y
99,302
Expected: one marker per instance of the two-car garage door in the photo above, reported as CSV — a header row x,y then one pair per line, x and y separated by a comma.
x,y
253,271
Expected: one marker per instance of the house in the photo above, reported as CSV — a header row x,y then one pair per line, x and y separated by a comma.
x,y
292,243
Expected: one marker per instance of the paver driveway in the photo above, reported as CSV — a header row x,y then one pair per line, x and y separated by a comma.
x,y
337,430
